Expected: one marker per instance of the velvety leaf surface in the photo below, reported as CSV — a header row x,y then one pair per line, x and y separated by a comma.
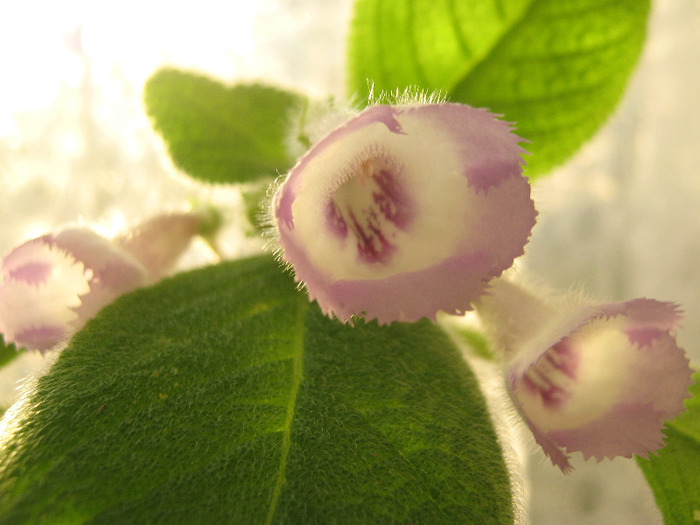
x,y
217,133
557,68
674,474
223,396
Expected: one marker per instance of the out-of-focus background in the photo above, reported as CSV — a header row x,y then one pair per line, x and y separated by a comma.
x,y
620,220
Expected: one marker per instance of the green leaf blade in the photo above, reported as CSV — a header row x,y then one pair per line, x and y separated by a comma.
x,y
557,69
559,74
221,134
223,396
430,44
674,473
410,455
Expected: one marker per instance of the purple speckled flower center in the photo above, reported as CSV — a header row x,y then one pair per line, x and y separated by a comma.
x,y
548,376
371,207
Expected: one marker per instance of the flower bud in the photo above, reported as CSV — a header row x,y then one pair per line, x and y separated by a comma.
x,y
404,211
597,379
158,242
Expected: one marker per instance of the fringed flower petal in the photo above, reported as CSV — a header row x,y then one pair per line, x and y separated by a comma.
x,y
404,211
53,284
606,387
40,291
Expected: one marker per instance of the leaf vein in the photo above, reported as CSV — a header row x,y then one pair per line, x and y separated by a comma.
x,y
297,374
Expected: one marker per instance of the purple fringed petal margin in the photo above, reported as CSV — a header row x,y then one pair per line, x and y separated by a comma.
x,y
115,272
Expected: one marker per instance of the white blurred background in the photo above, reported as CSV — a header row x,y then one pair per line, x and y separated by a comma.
x,y
620,220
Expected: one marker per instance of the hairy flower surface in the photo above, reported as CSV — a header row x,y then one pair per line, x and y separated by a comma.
x,y
404,211
601,380
53,284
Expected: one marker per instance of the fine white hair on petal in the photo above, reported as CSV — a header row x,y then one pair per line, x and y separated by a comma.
x,y
406,96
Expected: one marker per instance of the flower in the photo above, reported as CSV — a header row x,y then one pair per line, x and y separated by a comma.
x,y
53,284
404,211
598,379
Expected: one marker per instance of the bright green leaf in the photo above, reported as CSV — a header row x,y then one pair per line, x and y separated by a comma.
x,y
674,474
427,43
557,68
221,134
223,396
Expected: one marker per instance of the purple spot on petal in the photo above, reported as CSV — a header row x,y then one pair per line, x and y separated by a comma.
x,y
373,205
565,358
372,246
545,378
643,336
41,337
392,200
335,220
552,395
31,273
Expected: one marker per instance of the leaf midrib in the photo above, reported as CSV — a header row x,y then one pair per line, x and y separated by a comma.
x,y
507,31
297,374
524,15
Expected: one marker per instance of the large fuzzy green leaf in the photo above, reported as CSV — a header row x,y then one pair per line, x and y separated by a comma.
x,y
217,133
674,474
223,396
557,68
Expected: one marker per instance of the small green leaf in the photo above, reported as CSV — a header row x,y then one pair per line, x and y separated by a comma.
x,y
221,134
8,353
475,341
256,198
223,396
557,68
674,474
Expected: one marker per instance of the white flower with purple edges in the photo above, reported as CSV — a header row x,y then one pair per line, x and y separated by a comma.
x,y
597,379
405,210
50,286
